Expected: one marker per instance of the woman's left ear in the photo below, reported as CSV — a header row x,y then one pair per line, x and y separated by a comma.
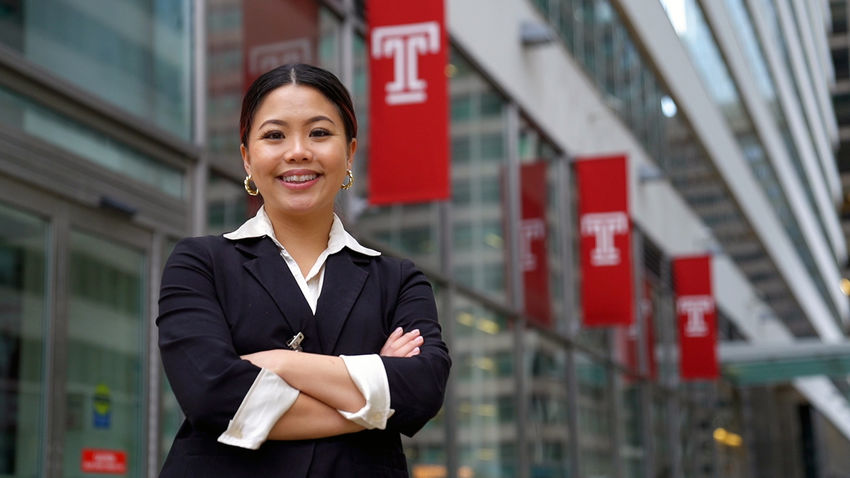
x,y
352,148
246,160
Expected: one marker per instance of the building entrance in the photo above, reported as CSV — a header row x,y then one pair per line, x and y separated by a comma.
x,y
74,308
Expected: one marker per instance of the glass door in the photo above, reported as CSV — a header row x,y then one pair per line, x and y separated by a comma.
x,y
24,307
107,297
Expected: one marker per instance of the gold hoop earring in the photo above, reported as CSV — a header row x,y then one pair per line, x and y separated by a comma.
x,y
247,183
350,180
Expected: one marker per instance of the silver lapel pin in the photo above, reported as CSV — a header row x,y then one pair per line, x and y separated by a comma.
x,y
295,342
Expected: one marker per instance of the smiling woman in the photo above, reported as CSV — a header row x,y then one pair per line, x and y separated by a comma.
x,y
292,349
298,154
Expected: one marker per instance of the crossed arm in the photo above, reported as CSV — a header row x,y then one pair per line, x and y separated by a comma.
x,y
325,387
210,379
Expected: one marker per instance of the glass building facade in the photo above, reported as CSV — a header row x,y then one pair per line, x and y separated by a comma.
x,y
119,135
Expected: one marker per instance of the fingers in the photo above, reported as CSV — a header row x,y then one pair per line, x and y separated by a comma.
x,y
408,343
395,335
389,345
402,345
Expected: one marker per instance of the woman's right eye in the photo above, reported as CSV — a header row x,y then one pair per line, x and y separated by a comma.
x,y
272,135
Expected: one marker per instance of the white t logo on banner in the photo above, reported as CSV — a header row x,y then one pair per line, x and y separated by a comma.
x,y
529,230
263,58
404,43
695,306
603,225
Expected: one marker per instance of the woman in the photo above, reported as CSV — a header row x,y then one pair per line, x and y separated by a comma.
x,y
293,350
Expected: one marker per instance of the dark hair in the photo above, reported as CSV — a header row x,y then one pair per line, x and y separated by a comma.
x,y
297,74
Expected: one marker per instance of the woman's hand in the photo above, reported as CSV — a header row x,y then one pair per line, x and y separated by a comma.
x,y
268,359
399,344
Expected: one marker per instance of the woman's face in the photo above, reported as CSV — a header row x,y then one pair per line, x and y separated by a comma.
x,y
297,152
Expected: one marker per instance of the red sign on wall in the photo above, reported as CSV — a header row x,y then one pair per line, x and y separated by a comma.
x,y
606,245
697,318
111,462
409,130
277,32
533,253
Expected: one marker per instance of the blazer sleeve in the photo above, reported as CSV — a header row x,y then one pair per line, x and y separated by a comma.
x,y
206,374
417,384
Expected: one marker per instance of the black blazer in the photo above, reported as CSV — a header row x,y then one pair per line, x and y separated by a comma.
x,y
221,299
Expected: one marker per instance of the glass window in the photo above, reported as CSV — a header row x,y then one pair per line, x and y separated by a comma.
x,y
228,205
224,78
106,336
661,432
485,391
23,314
136,55
698,414
478,165
330,35
58,130
838,15
631,450
548,434
594,418
693,29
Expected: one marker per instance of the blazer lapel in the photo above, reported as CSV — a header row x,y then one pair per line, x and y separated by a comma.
x,y
343,282
271,271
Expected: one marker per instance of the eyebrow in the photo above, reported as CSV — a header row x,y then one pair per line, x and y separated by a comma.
x,y
314,119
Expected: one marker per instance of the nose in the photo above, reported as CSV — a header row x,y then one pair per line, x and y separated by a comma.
x,y
298,150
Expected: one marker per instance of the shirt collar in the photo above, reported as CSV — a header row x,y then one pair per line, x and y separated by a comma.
x,y
260,225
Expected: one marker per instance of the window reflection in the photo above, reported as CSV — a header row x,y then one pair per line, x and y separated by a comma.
x,y
594,417
23,313
106,323
228,205
548,434
478,131
47,125
632,449
135,55
486,392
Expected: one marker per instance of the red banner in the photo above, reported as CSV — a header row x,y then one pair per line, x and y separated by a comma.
x,y
532,241
606,245
277,32
110,462
408,99
697,318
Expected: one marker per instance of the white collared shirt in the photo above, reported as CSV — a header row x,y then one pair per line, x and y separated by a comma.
x,y
270,396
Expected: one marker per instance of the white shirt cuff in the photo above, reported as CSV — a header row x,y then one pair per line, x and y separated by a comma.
x,y
266,401
370,377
